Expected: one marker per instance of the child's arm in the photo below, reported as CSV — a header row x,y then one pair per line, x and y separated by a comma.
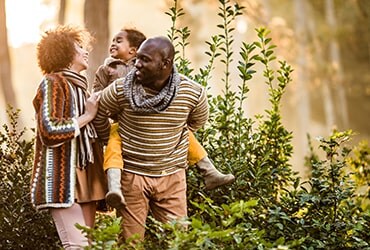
x,y
113,151
101,80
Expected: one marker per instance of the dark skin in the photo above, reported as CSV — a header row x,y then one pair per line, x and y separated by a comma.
x,y
154,62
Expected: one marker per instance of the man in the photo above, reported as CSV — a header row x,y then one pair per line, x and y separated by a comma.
x,y
122,57
155,107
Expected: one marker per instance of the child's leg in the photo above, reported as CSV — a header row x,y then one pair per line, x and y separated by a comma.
x,y
113,164
113,151
198,156
196,151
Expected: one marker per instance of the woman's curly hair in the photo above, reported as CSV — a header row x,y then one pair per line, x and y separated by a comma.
x,y
56,48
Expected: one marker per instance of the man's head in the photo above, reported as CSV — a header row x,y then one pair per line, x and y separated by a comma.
x,y
125,44
154,62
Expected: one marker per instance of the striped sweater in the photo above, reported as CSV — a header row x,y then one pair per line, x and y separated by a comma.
x,y
154,144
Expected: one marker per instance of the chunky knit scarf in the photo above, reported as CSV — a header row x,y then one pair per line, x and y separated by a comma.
x,y
140,102
87,133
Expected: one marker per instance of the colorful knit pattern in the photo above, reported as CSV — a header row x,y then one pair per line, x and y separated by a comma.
x,y
53,177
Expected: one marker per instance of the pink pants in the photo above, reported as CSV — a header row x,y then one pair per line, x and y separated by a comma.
x,y
65,220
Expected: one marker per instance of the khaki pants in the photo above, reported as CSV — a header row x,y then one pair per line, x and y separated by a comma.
x,y
164,196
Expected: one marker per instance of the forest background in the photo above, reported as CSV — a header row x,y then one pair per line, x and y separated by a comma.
x,y
327,43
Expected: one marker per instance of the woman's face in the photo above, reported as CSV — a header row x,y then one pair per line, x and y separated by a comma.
x,y
80,60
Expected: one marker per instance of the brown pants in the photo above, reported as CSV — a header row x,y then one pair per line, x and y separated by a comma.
x,y
164,196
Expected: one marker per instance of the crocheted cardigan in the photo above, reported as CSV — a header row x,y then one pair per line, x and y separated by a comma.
x,y
53,176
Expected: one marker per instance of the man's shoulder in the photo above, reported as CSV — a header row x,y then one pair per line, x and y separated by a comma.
x,y
186,81
117,86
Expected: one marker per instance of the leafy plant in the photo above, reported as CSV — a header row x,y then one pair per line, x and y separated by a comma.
x,y
268,206
330,213
105,235
21,227
258,151
359,163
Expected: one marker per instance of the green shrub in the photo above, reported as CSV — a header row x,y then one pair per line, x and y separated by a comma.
x,y
322,212
359,163
21,227
285,214
267,207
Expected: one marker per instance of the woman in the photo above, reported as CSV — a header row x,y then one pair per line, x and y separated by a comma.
x,y
68,177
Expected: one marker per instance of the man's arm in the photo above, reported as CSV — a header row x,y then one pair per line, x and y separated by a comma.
x,y
108,107
199,115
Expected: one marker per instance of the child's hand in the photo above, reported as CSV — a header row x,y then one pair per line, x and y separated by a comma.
x,y
113,72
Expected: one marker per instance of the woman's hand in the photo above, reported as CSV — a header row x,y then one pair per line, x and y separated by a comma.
x,y
92,104
91,108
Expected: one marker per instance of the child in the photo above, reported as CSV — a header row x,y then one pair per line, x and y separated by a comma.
x,y
122,58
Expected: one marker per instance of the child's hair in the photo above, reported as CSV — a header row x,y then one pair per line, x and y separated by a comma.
x,y
134,37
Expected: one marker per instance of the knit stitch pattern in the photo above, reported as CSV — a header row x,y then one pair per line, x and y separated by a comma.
x,y
153,143
53,176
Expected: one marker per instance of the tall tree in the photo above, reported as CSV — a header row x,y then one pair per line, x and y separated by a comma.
x,y
364,7
96,16
6,83
303,105
62,11
336,65
319,73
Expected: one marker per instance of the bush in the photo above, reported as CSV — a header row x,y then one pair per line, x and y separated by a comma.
x,y
21,227
267,207
359,163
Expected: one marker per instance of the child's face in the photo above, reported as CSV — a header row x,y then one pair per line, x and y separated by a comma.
x,y
120,47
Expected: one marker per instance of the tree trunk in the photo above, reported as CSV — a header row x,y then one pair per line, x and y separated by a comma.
x,y
303,103
321,74
364,7
5,63
62,11
335,66
96,14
